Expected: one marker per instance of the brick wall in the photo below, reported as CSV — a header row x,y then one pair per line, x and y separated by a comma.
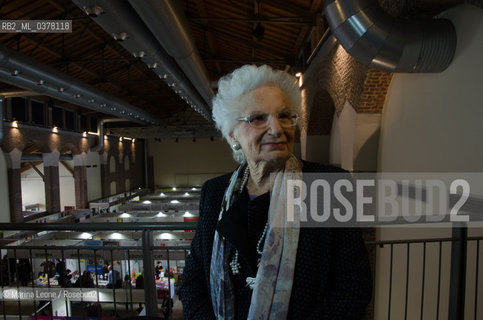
x,y
374,91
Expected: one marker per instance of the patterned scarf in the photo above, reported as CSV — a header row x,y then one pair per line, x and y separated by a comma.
x,y
273,285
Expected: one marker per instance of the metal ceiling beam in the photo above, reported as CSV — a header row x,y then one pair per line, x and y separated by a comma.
x,y
160,16
118,20
24,72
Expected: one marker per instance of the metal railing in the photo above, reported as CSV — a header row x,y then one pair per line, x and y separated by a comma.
x,y
413,279
24,291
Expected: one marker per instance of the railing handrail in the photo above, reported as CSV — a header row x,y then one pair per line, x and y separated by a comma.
x,y
108,248
134,226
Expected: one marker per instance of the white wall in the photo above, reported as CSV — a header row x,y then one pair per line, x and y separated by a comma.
x,y
33,189
4,202
188,162
433,123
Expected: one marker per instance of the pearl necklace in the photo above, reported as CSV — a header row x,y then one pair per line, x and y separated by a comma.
x,y
235,264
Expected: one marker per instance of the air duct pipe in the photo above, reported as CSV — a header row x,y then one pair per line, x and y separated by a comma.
x,y
101,130
160,16
19,70
380,41
117,18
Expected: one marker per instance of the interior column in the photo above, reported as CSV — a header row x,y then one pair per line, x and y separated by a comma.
x,y
80,180
52,185
15,185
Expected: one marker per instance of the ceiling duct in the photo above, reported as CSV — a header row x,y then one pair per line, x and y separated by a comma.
x,y
21,71
383,42
117,18
160,16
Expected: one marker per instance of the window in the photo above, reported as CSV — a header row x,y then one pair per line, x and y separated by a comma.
x,y
69,120
19,109
57,117
93,124
38,112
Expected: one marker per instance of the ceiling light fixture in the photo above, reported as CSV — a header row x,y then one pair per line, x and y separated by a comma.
x,y
121,36
93,11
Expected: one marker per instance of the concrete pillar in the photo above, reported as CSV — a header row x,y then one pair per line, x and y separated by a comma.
x,y
105,174
80,180
51,181
15,185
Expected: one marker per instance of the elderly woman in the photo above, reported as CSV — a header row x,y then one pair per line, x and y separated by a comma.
x,y
242,264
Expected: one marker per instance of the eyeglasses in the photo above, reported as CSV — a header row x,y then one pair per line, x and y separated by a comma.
x,y
260,120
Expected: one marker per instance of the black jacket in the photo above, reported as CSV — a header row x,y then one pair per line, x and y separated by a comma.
x,y
332,274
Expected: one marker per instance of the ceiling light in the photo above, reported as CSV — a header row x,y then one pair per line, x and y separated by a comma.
x,y
15,124
105,137
166,236
125,215
153,65
147,202
186,194
193,189
160,214
77,95
174,189
174,201
139,54
84,134
103,105
120,139
133,140
162,194
54,129
121,36
93,11
188,214
116,235
85,235
91,100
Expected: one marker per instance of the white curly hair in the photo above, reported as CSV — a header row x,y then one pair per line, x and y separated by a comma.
x,y
228,106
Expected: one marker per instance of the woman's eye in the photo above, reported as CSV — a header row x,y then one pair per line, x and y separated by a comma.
x,y
258,118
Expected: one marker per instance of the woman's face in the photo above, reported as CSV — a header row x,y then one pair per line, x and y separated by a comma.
x,y
272,144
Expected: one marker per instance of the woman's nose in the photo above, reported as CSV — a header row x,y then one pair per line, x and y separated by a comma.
x,y
274,126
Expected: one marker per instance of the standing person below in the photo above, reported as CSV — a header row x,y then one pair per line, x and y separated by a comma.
x,y
113,278
158,270
241,266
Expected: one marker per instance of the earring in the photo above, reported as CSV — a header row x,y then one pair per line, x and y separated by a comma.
x,y
236,146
